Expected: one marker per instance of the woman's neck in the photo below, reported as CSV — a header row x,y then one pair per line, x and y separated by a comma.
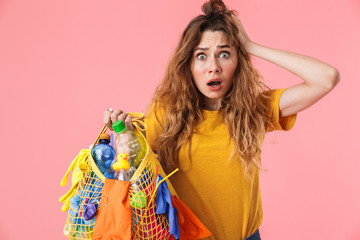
x,y
211,104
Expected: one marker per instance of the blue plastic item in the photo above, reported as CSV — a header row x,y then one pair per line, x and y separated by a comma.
x,y
103,154
164,205
90,211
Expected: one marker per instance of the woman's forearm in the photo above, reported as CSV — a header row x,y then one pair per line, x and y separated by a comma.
x,y
314,72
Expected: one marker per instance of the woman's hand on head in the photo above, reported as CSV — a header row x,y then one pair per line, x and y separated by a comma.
x,y
111,116
244,37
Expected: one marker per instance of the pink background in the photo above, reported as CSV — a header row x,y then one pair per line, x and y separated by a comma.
x,y
62,63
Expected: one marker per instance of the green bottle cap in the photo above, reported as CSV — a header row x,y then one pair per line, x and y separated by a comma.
x,y
118,126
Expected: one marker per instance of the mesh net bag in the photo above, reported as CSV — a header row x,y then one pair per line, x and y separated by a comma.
x,y
88,182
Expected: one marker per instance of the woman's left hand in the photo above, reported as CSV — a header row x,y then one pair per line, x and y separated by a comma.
x,y
244,37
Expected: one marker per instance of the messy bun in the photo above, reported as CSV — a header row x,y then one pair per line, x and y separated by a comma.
x,y
213,7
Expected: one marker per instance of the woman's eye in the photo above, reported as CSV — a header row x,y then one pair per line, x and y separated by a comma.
x,y
224,55
201,56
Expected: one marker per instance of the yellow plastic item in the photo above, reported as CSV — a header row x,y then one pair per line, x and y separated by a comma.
x,y
79,167
122,162
87,182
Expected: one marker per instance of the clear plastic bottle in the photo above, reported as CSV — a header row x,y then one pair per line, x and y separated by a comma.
x,y
103,154
126,142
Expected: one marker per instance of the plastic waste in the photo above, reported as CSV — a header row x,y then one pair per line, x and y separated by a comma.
x,y
90,211
138,200
126,142
104,154
127,147
121,167
164,205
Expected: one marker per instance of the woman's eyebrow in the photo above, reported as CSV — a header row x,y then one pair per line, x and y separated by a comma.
x,y
201,49
223,46
206,48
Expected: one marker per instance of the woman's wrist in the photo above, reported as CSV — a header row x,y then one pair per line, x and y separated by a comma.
x,y
250,47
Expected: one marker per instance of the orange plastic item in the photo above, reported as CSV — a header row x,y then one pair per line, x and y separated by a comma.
x,y
190,227
113,220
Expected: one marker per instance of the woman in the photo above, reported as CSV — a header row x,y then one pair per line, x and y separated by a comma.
x,y
210,113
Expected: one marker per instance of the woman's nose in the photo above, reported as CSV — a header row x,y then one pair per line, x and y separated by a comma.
x,y
214,66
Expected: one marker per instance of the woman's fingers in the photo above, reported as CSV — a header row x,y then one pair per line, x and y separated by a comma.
x,y
111,116
107,119
128,123
114,116
244,37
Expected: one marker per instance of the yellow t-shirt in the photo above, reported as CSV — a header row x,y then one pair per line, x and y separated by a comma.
x,y
214,188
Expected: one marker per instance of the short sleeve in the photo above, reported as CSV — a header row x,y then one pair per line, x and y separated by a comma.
x,y
154,125
284,123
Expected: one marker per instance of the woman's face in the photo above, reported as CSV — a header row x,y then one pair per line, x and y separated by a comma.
x,y
213,66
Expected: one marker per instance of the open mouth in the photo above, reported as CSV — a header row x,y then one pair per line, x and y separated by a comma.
x,y
214,83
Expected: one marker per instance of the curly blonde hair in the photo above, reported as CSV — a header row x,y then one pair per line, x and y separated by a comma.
x,y
243,107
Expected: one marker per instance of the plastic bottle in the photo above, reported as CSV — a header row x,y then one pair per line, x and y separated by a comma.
x,y
126,142
127,148
104,154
